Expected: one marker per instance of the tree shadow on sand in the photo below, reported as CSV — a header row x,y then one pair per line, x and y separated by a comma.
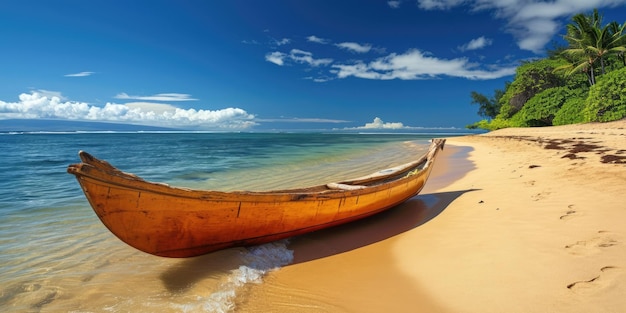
x,y
320,244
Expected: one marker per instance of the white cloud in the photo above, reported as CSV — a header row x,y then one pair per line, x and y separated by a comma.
x,y
282,42
49,93
320,79
416,65
158,97
393,4
536,34
276,57
297,56
81,74
379,124
438,4
317,39
158,108
476,44
250,42
354,47
533,23
36,105
300,56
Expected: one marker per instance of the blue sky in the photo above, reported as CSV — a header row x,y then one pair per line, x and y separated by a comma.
x,y
261,65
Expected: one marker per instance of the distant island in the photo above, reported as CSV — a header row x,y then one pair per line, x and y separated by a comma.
x,y
46,125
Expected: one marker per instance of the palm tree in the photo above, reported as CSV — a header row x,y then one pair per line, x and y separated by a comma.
x,y
608,40
590,42
579,39
615,28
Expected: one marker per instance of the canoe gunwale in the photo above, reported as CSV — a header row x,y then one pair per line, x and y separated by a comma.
x,y
106,173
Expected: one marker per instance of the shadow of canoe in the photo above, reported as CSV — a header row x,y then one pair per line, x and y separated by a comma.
x,y
320,244
404,217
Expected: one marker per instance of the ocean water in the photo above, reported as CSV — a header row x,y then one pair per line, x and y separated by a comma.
x,y
56,256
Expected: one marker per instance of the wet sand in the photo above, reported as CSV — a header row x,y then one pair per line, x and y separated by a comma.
x,y
517,220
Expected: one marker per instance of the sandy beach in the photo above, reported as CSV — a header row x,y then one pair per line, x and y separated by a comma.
x,y
516,220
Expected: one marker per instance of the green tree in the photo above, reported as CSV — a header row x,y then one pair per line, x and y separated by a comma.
x,y
592,89
488,107
531,78
590,43
541,109
608,41
615,28
581,60
607,98
570,112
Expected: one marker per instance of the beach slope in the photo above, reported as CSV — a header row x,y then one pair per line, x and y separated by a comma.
x,y
516,220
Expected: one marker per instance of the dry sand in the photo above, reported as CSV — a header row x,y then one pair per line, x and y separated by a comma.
x,y
517,220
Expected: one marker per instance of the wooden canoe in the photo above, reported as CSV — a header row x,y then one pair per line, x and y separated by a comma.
x,y
180,222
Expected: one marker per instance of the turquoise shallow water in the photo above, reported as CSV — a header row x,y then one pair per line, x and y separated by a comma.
x,y
56,256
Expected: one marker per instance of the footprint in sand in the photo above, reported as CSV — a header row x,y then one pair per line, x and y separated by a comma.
x,y
605,278
541,196
593,245
570,213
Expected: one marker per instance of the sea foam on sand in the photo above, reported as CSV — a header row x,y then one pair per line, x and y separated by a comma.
x,y
257,261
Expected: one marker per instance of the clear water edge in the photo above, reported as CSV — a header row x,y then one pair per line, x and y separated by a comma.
x,y
57,256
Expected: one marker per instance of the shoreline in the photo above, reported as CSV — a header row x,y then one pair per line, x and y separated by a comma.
x,y
531,222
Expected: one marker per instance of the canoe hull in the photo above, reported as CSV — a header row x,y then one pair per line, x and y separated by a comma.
x,y
177,222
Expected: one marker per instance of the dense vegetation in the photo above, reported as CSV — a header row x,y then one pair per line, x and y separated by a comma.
x,y
582,82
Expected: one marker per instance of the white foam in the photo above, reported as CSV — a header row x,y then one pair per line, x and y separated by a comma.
x,y
257,261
